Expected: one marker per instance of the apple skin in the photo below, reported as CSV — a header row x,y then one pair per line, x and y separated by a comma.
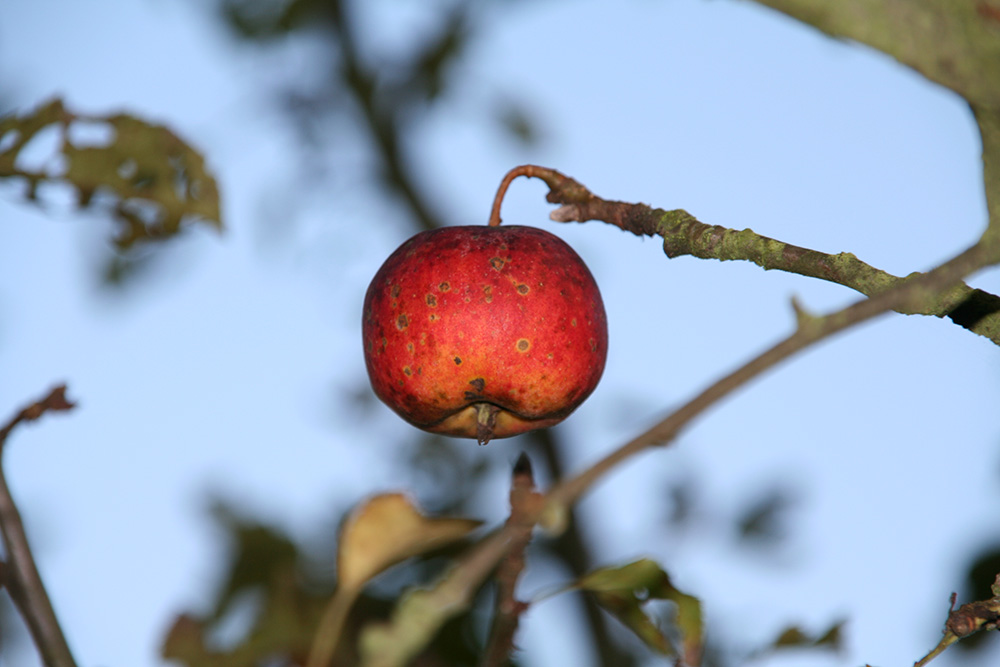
x,y
484,332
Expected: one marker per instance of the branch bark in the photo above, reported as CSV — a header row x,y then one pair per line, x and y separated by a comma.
x,y
683,234
21,574
524,503
554,510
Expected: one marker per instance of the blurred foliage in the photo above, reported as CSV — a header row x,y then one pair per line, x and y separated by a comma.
x,y
379,92
624,592
764,520
269,575
145,175
979,579
155,184
794,637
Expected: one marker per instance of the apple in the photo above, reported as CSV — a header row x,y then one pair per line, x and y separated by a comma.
x,y
484,331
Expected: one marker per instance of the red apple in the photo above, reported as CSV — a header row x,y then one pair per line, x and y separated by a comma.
x,y
484,332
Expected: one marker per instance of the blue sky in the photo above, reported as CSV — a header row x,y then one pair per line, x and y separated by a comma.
x,y
226,370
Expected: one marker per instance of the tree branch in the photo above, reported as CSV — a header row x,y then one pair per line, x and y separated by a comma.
x,y
553,511
524,504
381,119
810,330
683,234
572,548
968,619
21,575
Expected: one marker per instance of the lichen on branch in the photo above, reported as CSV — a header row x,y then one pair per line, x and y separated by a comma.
x,y
684,234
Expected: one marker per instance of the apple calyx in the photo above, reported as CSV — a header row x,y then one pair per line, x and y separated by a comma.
x,y
486,421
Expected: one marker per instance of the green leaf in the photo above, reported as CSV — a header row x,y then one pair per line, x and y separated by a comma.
x,y
151,180
952,43
624,590
421,613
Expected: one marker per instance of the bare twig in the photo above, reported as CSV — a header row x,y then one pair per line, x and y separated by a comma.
x,y
683,234
525,503
968,619
382,120
810,331
910,294
21,576
572,548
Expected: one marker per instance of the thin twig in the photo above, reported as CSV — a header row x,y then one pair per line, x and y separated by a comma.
x,y
572,547
524,504
810,331
22,578
970,618
381,119
683,234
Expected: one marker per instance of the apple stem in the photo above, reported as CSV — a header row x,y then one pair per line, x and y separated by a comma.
x,y
486,420
528,170
565,189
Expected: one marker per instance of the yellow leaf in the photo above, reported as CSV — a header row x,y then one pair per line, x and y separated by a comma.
x,y
386,530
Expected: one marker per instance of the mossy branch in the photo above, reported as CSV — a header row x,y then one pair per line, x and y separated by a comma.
x,y
683,234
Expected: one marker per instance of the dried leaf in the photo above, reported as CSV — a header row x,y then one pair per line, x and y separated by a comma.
x,y
624,590
151,180
420,614
793,637
386,530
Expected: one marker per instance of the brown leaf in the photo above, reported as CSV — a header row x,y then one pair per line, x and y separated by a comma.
x,y
152,181
386,530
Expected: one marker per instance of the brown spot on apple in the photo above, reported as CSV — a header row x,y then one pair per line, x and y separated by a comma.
x,y
497,263
409,348
488,293
572,322
479,384
432,317
523,345
444,287
394,292
407,370
458,361
523,289
402,322
432,301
